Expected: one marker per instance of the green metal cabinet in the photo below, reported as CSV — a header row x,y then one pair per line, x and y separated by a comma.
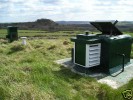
x,y
86,45
106,50
12,33
113,48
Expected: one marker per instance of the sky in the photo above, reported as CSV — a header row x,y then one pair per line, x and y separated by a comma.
x,y
65,10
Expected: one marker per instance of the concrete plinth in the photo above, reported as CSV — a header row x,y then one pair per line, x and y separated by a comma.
x,y
114,79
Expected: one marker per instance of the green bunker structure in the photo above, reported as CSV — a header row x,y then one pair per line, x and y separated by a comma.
x,y
105,51
12,33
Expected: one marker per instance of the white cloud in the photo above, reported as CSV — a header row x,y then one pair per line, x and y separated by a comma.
x,y
30,10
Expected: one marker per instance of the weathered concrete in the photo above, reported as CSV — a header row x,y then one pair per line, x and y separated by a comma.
x,y
115,79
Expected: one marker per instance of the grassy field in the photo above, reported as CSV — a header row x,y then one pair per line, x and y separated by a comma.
x,y
30,73
38,33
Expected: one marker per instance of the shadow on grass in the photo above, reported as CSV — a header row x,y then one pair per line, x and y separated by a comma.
x,y
93,72
67,74
4,94
16,48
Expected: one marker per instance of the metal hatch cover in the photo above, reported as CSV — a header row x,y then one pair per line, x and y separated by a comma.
x,y
106,28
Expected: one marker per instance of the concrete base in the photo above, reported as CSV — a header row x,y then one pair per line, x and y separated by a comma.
x,y
115,79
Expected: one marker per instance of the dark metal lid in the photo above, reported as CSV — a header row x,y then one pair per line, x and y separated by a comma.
x,y
106,28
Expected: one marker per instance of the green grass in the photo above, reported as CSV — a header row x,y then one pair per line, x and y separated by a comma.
x,y
39,33
30,73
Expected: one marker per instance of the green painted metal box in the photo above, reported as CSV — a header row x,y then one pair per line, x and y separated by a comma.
x,y
12,33
106,50
87,50
112,49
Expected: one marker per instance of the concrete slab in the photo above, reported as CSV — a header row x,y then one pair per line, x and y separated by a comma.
x,y
120,79
115,79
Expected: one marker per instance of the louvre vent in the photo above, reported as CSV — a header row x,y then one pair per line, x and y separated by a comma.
x,y
93,54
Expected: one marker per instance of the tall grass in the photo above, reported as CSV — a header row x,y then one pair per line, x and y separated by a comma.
x,y
30,73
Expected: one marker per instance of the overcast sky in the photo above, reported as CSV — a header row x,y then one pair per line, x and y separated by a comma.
x,y
67,10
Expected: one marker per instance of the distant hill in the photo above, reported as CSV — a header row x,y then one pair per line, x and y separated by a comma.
x,y
45,22
125,26
72,22
122,25
50,25
38,24
88,22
